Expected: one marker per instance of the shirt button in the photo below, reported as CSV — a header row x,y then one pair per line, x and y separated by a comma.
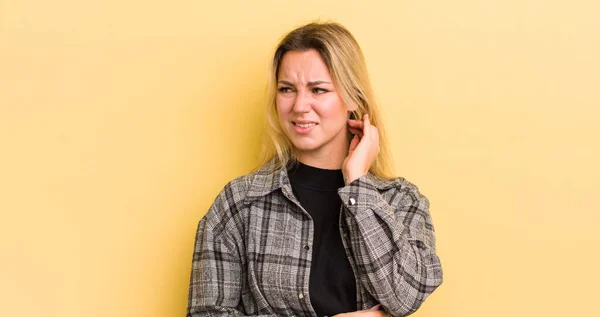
x,y
301,296
306,247
352,201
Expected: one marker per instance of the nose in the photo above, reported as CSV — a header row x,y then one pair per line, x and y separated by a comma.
x,y
302,102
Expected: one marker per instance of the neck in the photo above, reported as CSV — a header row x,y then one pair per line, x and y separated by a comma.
x,y
330,159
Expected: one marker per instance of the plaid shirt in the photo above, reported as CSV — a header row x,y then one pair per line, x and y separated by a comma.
x,y
252,251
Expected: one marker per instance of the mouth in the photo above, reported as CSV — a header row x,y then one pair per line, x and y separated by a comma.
x,y
304,125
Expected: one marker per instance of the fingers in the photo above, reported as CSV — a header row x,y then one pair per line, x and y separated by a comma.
x,y
351,149
366,125
355,123
376,313
376,307
353,144
369,130
363,128
357,132
357,127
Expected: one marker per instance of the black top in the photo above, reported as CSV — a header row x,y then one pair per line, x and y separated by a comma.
x,y
332,285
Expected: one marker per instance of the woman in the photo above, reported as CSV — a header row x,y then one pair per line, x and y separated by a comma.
x,y
322,228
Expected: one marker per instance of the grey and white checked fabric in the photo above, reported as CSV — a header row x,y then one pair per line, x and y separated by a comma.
x,y
252,252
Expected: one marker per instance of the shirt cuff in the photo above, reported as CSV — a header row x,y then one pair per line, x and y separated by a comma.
x,y
360,194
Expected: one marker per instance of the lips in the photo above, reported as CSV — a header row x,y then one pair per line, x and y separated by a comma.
x,y
303,127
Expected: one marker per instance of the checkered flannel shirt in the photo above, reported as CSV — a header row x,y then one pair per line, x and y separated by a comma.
x,y
252,251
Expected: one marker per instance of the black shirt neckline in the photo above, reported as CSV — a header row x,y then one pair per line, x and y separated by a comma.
x,y
316,178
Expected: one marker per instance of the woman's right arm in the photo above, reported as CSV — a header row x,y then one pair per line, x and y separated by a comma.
x,y
217,266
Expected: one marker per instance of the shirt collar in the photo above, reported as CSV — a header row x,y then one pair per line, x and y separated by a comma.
x,y
268,179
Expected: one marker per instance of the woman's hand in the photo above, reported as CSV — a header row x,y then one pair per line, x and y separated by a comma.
x,y
371,312
363,149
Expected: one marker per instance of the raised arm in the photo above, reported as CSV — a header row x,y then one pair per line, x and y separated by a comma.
x,y
393,243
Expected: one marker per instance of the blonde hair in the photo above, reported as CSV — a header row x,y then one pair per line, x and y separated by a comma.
x,y
345,62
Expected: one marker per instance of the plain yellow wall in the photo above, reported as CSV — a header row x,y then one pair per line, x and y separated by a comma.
x,y
121,120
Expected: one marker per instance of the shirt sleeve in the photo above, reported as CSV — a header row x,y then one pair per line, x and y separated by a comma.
x,y
217,266
393,243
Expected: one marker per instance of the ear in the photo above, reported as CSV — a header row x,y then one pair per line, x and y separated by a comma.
x,y
352,115
355,115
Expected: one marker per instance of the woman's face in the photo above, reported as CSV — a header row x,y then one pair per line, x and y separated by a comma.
x,y
311,112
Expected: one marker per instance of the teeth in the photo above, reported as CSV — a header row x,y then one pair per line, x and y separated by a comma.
x,y
306,125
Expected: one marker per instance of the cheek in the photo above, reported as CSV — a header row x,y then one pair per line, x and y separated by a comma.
x,y
279,106
334,110
282,105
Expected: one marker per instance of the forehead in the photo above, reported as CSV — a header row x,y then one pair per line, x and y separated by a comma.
x,y
303,65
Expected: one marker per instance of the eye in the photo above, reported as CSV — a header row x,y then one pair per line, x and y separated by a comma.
x,y
284,89
318,90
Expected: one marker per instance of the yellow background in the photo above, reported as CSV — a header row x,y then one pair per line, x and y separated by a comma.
x,y
121,120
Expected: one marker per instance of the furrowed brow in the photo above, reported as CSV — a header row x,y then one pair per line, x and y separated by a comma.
x,y
286,83
316,83
309,84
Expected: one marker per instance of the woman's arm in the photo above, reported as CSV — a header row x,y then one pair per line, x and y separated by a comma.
x,y
217,269
392,240
393,243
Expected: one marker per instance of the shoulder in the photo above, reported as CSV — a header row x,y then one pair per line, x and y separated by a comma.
x,y
225,217
237,193
399,191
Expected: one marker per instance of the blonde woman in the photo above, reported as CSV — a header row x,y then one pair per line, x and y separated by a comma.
x,y
322,228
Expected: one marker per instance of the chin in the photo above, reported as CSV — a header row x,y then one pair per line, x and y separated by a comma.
x,y
305,145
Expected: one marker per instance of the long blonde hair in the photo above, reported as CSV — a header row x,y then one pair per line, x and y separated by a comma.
x,y
345,61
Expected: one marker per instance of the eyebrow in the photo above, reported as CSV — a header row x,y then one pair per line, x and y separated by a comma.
x,y
309,84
